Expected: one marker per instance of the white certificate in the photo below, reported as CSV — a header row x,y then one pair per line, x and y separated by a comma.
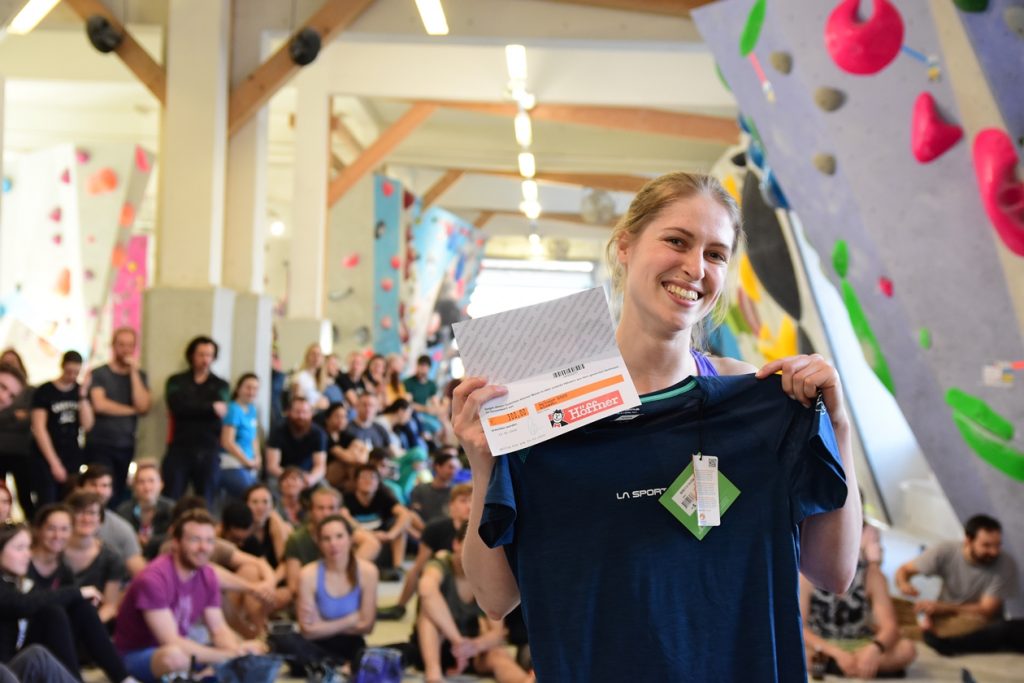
x,y
560,363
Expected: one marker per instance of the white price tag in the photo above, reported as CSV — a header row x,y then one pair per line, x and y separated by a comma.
x,y
705,475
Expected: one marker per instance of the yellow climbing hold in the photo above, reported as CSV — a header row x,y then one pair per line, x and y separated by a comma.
x,y
748,279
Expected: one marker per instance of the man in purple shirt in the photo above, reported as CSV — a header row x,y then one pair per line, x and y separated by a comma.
x,y
174,593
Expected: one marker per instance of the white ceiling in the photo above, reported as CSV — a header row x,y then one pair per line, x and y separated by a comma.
x,y
59,89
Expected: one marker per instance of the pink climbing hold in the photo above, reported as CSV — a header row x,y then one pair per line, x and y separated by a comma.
x,y
55,214
1002,194
82,156
885,286
65,176
350,261
142,160
57,239
387,189
930,135
863,47
396,262
387,284
386,323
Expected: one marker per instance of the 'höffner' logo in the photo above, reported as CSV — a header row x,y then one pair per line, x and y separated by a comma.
x,y
581,411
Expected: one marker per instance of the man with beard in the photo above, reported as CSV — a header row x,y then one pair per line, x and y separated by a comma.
x,y
119,395
976,578
175,593
197,401
298,443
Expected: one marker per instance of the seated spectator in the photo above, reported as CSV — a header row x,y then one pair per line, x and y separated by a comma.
x,y
364,426
430,500
381,460
301,547
298,443
12,378
451,632
147,511
345,453
437,535
375,509
241,460
351,381
976,578
290,487
6,501
115,531
35,664
310,379
421,389
998,636
91,562
15,428
394,418
176,592
269,530
332,370
394,389
60,620
337,597
51,531
856,633
374,378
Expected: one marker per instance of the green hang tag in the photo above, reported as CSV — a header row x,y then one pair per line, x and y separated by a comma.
x,y
681,500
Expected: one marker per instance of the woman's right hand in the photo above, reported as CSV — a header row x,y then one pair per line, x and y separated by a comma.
x,y
92,594
60,475
472,393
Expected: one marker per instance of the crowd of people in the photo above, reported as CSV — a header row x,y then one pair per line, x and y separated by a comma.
x,y
239,540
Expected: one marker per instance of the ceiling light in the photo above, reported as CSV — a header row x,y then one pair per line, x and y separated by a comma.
x,y
432,15
534,239
30,15
277,228
524,129
515,60
530,209
527,165
530,190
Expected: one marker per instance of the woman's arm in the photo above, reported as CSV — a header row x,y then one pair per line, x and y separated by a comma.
x,y
487,569
45,444
112,595
227,442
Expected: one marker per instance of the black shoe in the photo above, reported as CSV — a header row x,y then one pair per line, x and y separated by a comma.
x,y
393,613
940,645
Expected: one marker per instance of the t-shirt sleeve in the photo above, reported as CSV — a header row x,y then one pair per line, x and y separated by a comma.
x,y
41,397
930,561
817,479
276,438
152,593
235,417
212,588
1004,582
291,547
497,524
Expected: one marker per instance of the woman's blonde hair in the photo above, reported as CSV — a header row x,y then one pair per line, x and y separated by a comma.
x,y
648,203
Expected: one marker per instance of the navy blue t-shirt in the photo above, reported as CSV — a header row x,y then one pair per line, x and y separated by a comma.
x,y
614,588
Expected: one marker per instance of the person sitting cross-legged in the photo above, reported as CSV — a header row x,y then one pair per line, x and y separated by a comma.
x,y
174,593
376,510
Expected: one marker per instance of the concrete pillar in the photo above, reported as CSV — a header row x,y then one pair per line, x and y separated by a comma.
x,y
187,299
6,241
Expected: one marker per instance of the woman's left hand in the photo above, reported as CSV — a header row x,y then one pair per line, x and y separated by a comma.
x,y
804,376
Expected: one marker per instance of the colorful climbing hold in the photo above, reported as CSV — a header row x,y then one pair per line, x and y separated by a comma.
x,y
82,156
57,239
7,185
396,262
88,274
971,5
841,258
924,338
387,284
63,284
781,61
1007,460
1002,194
729,183
865,335
885,286
721,77
752,29
930,135
55,214
770,190
863,47
102,181
748,279
829,99
65,176
127,217
979,412
826,163
350,261
386,322
142,160
387,188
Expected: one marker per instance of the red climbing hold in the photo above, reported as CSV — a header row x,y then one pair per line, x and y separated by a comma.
x,y
387,189
396,262
387,284
885,286
863,47
65,176
930,135
1002,194
142,160
350,261
55,215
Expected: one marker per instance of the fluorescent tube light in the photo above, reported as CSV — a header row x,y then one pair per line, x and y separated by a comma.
x,y
30,15
530,209
527,165
530,190
432,15
515,60
524,129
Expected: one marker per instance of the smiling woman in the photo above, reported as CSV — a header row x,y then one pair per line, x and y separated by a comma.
x,y
718,600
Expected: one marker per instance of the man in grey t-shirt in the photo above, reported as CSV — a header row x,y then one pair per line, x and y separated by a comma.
x,y
119,395
115,531
977,577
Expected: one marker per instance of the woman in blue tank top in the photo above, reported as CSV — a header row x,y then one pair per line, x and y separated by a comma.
x,y
337,598
669,257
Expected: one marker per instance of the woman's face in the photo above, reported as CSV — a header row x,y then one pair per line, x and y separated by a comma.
x,y
55,532
259,503
249,390
87,521
331,366
334,540
314,357
356,363
16,554
676,267
5,505
291,486
337,421
376,368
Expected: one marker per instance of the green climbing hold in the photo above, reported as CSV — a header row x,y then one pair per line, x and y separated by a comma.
x,y
735,321
1007,460
868,343
979,411
752,29
924,338
721,77
841,258
971,5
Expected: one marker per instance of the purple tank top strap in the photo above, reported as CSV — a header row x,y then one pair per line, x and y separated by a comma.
x,y
704,366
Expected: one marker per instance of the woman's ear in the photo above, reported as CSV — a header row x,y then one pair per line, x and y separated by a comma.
x,y
622,245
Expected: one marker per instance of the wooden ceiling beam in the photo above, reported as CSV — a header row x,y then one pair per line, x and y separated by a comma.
x,y
634,119
669,8
449,178
378,150
146,69
613,182
482,219
565,217
258,87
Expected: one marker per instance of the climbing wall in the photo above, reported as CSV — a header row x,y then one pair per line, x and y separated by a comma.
x,y
916,215
387,264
